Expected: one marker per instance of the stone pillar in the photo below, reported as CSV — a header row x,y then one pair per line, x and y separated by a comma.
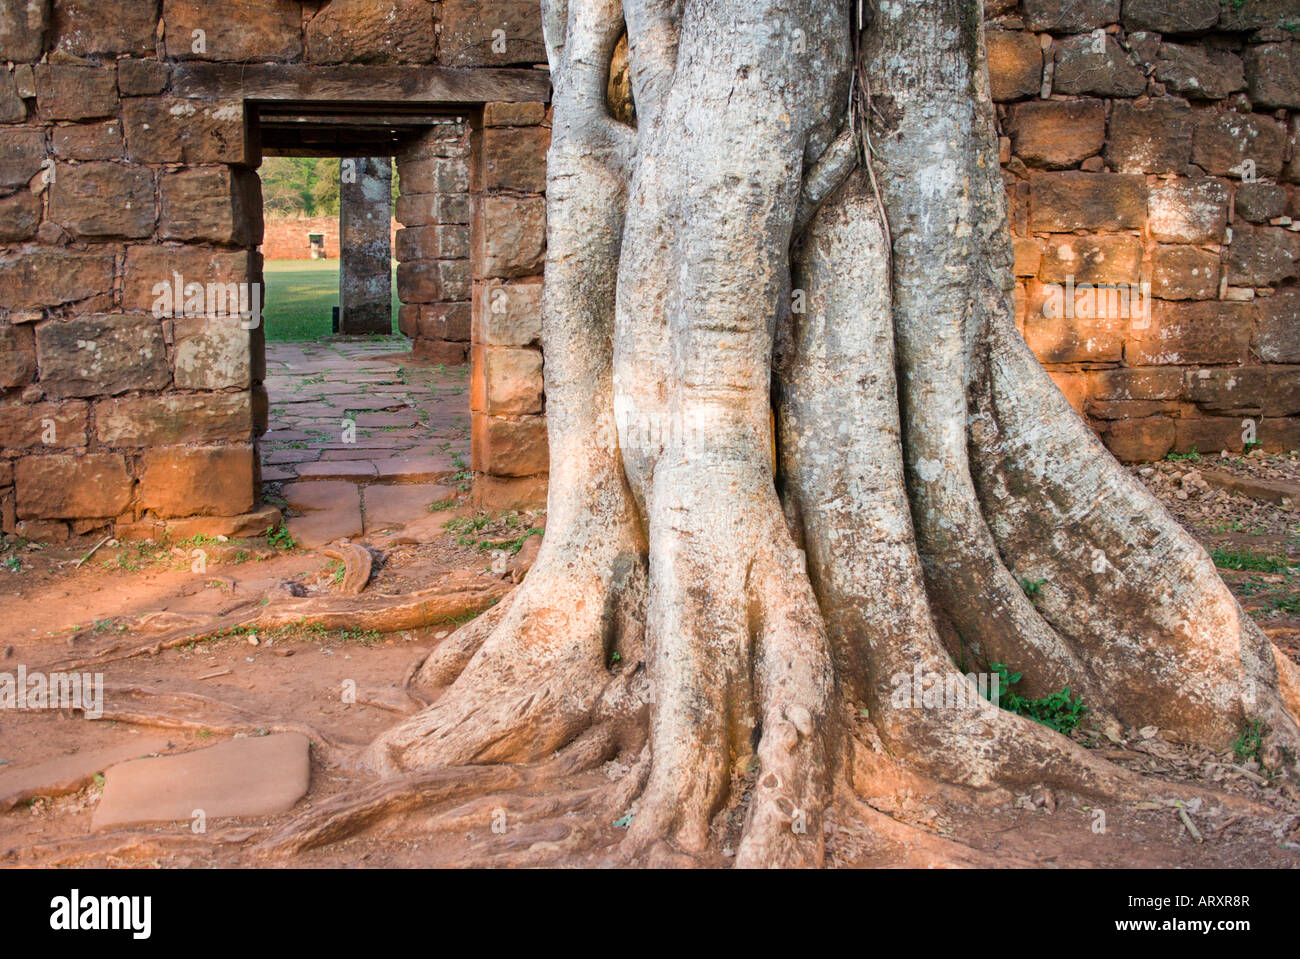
x,y
508,250
433,274
365,245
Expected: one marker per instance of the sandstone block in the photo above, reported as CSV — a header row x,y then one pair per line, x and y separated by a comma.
x,y
91,28
1109,72
42,277
89,141
173,418
217,204
373,31
1069,16
1184,273
176,130
1061,202
23,27
1056,133
1192,333
508,446
506,380
510,239
101,355
43,425
72,486
498,33
239,30
1224,140
1201,73
103,199
1277,335
514,159
1273,75
197,480
68,92
1189,211
1092,259
1152,136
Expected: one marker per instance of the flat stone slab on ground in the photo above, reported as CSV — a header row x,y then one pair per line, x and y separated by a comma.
x,y
285,436
398,505
415,469
278,457
338,469
252,776
67,774
332,495
319,528
1270,491
383,420
370,453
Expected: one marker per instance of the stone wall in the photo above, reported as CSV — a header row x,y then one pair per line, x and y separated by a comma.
x,y
285,237
118,405
127,175
508,205
1155,141
432,248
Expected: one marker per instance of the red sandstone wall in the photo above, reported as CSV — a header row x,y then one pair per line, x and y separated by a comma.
x,y
285,238
1155,141
112,181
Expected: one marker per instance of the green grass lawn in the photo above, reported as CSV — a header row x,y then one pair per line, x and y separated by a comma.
x,y
301,296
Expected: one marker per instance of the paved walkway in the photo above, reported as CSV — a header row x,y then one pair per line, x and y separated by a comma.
x,y
361,433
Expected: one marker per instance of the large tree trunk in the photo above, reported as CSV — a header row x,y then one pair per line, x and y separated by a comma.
x,y
799,450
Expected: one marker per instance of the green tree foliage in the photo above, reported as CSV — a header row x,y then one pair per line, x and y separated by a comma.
x,y
303,186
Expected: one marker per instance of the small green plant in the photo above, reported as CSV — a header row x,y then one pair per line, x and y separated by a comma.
x,y
1059,710
1287,604
1247,745
1244,559
1193,456
337,571
13,564
1032,587
363,637
280,538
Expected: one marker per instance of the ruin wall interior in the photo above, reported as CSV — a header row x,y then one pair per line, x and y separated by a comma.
x,y
1142,142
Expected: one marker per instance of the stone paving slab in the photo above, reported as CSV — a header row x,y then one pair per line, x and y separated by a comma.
x,y
313,530
415,469
331,511
390,506
67,774
307,497
252,776
404,409
411,422
338,469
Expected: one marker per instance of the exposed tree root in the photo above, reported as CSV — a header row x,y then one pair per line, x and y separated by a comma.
x,y
350,812
358,563
461,596
178,710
